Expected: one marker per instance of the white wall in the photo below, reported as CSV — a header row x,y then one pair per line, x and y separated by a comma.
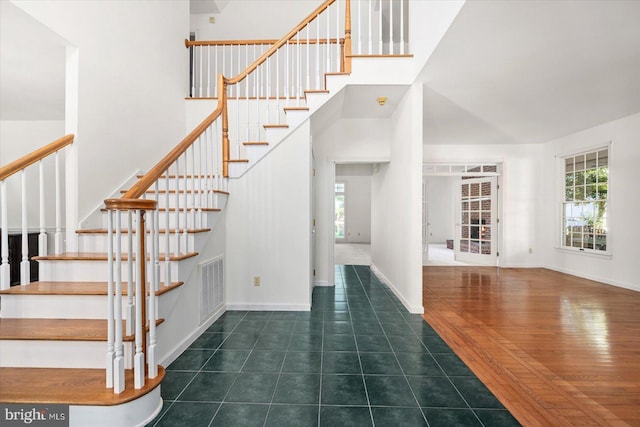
x,y
133,76
520,192
250,19
18,138
624,233
269,230
342,141
396,206
441,192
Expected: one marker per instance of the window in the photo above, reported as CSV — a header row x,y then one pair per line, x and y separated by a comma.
x,y
584,209
339,210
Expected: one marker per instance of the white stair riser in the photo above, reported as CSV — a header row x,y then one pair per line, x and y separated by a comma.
x,y
256,152
237,169
96,271
207,220
56,306
99,242
295,117
58,354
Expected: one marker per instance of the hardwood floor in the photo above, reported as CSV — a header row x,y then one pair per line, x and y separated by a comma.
x,y
554,348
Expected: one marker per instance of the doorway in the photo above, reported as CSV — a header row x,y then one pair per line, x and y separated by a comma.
x,y
460,214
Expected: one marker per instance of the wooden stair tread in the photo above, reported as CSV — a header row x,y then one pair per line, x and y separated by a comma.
x,y
238,161
126,231
316,91
251,143
57,329
68,386
75,288
278,126
101,256
296,109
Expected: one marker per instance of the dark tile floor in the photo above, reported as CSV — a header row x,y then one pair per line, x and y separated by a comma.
x,y
358,358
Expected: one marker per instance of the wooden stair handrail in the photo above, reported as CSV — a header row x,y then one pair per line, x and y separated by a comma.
x,y
262,58
35,156
190,43
144,183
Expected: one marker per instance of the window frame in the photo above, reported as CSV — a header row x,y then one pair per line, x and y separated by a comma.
x,y
562,201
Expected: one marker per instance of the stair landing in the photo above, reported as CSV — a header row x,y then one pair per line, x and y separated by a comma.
x,y
68,386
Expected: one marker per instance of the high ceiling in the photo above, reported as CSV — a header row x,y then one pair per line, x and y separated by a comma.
x,y
532,71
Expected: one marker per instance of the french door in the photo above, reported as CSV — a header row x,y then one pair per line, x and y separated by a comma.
x,y
476,228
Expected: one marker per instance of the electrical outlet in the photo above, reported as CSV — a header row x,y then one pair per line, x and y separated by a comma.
x,y
256,280
212,20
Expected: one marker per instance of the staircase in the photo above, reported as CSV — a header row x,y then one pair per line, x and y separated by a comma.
x,y
55,333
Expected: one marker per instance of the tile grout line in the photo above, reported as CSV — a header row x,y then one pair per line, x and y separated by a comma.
x,y
393,351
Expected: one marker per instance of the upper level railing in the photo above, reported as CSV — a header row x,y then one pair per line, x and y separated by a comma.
x,y
21,166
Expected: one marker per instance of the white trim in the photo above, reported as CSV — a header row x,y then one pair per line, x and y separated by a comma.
x,y
587,252
189,339
125,414
418,309
560,200
321,283
269,307
603,280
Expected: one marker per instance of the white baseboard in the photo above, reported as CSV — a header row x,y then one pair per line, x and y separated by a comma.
x,y
412,309
321,283
188,340
605,280
269,307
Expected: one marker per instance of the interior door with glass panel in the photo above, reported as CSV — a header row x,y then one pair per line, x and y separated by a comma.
x,y
339,212
476,228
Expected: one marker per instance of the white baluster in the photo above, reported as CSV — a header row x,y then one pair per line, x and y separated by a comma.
x,y
42,237
208,71
193,71
58,238
380,50
338,59
110,289
359,29
402,3
256,92
118,362
141,258
390,27
237,135
298,70
5,268
25,269
318,84
199,204
268,89
185,208
328,35
308,86
193,189
167,231
215,73
286,74
370,28
129,312
201,76
277,55
177,210
152,363
246,92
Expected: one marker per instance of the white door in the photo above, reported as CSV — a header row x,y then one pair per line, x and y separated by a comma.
x,y
476,228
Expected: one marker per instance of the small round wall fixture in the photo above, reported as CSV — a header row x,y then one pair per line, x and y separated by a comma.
x,y
381,100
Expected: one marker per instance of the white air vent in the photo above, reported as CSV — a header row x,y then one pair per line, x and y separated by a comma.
x,y
211,287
